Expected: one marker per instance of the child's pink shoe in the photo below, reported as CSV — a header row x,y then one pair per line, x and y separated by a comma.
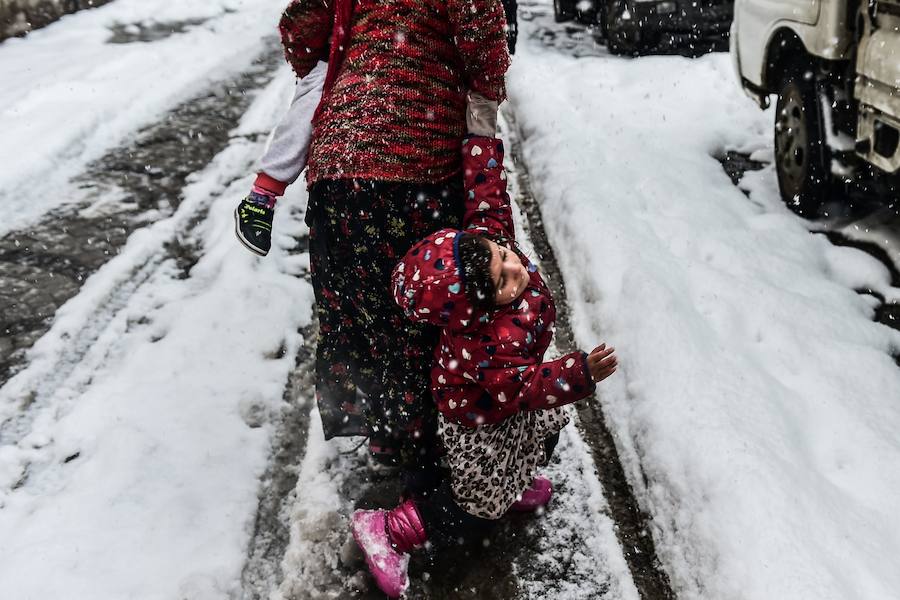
x,y
534,497
386,538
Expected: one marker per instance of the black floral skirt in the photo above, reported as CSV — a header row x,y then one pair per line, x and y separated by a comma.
x,y
372,364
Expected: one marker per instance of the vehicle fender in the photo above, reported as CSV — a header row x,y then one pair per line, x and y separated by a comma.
x,y
761,25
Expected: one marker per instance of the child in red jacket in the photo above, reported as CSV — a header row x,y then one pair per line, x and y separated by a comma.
x,y
499,402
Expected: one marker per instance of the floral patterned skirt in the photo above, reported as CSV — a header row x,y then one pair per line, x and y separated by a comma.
x,y
373,364
491,465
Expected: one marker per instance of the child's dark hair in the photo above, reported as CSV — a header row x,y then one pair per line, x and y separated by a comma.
x,y
475,263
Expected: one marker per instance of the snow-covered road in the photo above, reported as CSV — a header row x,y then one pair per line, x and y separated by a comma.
x,y
160,440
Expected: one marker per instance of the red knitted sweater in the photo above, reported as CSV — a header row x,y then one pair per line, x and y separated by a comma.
x,y
396,109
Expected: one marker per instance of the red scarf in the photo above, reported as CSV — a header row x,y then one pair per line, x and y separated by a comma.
x,y
340,37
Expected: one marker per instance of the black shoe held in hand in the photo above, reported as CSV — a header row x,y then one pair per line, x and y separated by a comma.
x,y
253,223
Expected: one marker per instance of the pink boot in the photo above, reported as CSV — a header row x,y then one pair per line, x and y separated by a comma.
x,y
386,537
534,497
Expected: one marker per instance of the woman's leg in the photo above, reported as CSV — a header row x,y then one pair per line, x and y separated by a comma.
x,y
398,375
341,412
359,230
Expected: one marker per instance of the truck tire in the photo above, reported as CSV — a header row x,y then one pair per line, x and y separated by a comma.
x,y
802,156
563,10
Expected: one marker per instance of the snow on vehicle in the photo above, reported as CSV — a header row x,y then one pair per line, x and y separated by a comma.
x,y
835,66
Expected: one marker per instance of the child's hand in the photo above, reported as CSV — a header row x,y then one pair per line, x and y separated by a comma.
x,y
602,362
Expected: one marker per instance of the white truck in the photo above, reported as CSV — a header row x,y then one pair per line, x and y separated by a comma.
x,y
835,66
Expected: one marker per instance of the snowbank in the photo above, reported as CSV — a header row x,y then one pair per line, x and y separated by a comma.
x,y
756,405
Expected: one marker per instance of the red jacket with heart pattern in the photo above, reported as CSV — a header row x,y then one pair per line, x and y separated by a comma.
x,y
488,365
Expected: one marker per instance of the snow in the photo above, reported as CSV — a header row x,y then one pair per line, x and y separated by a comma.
x,y
755,406
68,95
153,399
135,470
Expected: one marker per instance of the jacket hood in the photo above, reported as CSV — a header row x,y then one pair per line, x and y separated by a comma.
x,y
429,286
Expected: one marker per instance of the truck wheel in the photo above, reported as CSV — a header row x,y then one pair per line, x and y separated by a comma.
x,y
563,10
802,156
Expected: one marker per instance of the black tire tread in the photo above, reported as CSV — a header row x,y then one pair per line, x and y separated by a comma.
x,y
818,181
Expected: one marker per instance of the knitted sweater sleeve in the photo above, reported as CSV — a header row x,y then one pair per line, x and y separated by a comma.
x,y
479,30
305,29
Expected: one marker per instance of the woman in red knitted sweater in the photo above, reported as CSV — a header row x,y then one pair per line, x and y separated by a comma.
x,y
384,171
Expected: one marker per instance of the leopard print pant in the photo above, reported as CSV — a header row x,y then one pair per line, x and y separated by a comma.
x,y
491,465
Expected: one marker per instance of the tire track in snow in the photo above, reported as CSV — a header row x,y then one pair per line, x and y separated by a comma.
x,y
567,553
21,18
122,192
87,330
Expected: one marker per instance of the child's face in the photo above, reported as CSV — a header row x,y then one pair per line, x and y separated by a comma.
x,y
510,276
